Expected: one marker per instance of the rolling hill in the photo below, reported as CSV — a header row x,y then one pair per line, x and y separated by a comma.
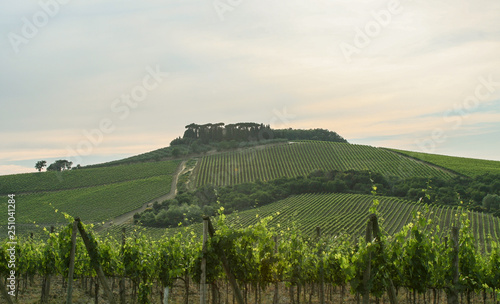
x,y
113,191
94,195
347,213
302,158
106,191
342,213
467,166
82,178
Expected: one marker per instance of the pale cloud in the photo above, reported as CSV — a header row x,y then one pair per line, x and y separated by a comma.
x,y
266,56
28,154
15,169
66,143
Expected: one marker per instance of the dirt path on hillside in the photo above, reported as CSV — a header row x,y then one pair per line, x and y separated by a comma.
x,y
129,216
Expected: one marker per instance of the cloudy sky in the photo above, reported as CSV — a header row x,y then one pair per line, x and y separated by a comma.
x,y
94,81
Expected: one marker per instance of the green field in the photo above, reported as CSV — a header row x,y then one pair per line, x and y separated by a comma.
x,y
347,213
466,166
95,195
100,194
92,204
71,179
302,158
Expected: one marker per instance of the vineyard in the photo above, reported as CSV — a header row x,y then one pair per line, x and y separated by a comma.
x,y
95,195
81,178
302,158
344,213
95,204
341,213
306,248
466,166
267,264
101,202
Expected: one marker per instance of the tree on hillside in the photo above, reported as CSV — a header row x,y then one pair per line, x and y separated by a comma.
x,y
217,131
204,133
191,131
491,202
40,165
60,165
176,152
311,134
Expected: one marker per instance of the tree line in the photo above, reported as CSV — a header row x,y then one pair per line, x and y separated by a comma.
x,y
481,193
58,165
249,131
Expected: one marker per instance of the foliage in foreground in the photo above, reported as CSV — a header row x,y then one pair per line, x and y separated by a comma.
x,y
259,255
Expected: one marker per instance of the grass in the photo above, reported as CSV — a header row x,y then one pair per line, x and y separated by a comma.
x,y
81,178
95,195
92,204
467,166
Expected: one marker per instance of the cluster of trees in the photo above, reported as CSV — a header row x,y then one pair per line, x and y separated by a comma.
x,y
218,132
243,131
58,165
248,132
171,213
471,191
313,134
480,194
491,202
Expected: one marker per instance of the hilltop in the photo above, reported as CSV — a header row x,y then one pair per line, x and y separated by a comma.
x,y
216,137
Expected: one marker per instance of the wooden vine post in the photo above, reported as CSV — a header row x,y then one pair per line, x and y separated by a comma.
x,y
72,262
373,233
95,264
4,291
203,279
367,272
391,290
452,290
276,286
46,280
225,264
122,279
321,269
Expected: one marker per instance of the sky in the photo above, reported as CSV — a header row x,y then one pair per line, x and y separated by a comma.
x,y
93,81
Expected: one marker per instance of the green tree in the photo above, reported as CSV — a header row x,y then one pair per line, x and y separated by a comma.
x,y
176,152
40,165
491,202
60,165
